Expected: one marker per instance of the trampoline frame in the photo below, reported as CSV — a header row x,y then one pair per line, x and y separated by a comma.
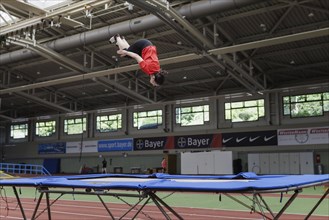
x,y
146,187
256,199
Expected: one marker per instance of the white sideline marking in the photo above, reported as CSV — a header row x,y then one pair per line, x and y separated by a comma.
x,y
127,180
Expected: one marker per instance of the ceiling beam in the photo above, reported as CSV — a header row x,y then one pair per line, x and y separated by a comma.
x,y
271,41
6,117
49,54
178,59
44,102
287,68
60,12
70,64
113,71
294,50
185,29
123,90
25,6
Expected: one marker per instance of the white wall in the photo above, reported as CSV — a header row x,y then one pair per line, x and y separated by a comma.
x,y
281,163
214,162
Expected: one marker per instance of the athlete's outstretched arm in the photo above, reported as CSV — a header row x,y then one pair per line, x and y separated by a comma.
x,y
131,54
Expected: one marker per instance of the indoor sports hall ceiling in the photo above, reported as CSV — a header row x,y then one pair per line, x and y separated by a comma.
x,y
55,57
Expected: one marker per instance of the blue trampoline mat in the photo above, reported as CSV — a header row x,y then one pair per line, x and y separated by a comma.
x,y
165,182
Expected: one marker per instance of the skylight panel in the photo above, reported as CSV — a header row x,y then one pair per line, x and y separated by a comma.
x,y
45,3
6,19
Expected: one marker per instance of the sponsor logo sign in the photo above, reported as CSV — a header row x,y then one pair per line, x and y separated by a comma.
x,y
52,148
115,145
303,136
81,146
254,138
198,141
156,143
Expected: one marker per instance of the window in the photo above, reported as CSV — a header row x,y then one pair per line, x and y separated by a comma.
x,y
244,111
45,128
107,123
5,18
307,105
19,131
326,101
147,119
192,115
75,126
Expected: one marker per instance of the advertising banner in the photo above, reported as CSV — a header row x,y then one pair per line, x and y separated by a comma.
x,y
198,141
115,145
81,147
254,138
155,143
303,136
52,148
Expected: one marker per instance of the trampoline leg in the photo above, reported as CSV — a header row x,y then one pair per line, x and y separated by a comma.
x,y
48,206
259,205
107,209
265,204
160,207
138,211
154,196
245,205
291,199
37,206
317,204
19,202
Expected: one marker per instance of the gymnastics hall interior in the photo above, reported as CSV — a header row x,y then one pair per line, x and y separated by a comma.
x,y
241,120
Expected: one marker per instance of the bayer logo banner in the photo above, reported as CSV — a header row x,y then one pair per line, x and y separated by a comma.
x,y
155,143
198,141
254,138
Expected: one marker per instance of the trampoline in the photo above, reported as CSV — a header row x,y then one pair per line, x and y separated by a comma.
x,y
248,184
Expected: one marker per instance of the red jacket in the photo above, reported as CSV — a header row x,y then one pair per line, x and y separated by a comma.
x,y
150,63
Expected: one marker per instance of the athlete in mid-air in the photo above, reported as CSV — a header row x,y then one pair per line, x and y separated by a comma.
x,y
145,53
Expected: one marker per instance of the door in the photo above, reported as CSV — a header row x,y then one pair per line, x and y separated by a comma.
x,y
171,163
294,163
264,163
284,163
254,163
306,163
52,165
274,163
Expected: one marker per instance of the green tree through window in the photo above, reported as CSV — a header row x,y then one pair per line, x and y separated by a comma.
x,y
75,125
192,115
107,123
147,119
45,128
18,131
306,105
244,111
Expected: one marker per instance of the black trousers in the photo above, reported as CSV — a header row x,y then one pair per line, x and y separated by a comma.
x,y
139,45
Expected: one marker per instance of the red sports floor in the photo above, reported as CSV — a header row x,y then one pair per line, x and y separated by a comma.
x,y
82,210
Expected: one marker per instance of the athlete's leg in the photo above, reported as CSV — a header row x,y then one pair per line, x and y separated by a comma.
x,y
113,39
122,43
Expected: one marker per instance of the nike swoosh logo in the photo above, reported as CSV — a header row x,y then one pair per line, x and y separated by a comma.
x,y
240,139
268,138
226,140
253,139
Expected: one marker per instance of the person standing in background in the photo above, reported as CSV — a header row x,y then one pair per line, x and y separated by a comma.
x,y
164,165
104,165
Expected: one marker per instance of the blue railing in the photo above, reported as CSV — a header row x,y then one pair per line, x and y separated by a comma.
x,y
24,169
